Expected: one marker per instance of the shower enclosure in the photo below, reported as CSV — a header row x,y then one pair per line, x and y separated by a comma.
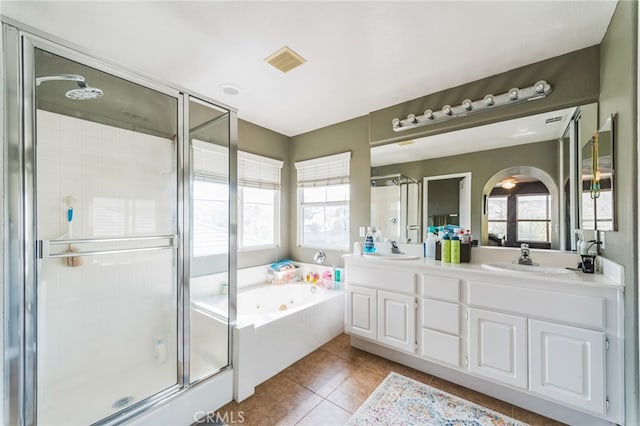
x,y
118,191
395,207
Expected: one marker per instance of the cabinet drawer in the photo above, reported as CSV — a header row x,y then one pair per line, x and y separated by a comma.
x,y
383,279
588,311
443,288
440,347
441,316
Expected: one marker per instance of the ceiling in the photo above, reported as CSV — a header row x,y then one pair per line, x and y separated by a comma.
x,y
519,131
361,56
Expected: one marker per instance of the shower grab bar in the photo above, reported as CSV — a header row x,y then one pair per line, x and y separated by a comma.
x,y
113,240
43,246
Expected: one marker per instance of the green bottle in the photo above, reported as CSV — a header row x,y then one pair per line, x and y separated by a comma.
x,y
455,250
446,249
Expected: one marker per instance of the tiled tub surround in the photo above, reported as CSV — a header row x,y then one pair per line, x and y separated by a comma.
x,y
551,343
266,339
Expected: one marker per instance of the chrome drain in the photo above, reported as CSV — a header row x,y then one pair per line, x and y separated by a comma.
x,y
122,402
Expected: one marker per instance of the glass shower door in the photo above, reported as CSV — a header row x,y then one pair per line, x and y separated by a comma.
x,y
106,192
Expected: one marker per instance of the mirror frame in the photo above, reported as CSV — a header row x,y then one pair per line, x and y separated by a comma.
x,y
609,122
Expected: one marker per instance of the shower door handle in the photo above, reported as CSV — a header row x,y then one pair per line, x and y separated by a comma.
x,y
43,247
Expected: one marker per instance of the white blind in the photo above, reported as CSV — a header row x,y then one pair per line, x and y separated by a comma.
x,y
329,170
210,162
256,171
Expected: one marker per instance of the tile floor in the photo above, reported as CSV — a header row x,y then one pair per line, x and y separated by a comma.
x,y
329,385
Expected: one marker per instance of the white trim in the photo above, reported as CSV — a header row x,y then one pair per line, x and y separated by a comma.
x,y
247,156
343,156
463,219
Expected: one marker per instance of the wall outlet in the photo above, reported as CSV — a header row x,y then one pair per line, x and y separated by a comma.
x,y
363,231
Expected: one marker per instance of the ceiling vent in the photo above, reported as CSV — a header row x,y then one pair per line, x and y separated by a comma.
x,y
285,59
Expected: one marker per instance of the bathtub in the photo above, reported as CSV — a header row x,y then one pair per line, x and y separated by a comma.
x,y
276,326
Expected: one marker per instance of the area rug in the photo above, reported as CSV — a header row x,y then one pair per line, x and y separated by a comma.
x,y
403,401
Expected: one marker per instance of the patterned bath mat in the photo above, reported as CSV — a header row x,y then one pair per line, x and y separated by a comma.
x,y
403,401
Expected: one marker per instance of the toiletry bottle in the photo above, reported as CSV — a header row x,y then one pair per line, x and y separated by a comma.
x,y
160,351
369,245
431,244
446,248
455,249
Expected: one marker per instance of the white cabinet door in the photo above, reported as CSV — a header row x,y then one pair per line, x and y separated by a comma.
x,y
567,364
498,347
361,312
397,320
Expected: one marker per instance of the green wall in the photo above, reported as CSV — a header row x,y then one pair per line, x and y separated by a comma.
x,y
351,135
575,78
482,165
258,140
618,83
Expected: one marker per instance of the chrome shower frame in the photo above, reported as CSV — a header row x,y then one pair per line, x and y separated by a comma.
x,y
20,261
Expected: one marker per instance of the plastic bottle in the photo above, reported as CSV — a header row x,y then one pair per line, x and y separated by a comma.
x,y
160,351
369,245
446,248
431,244
455,249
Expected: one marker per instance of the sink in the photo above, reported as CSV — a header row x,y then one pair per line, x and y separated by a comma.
x,y
515,267
393,256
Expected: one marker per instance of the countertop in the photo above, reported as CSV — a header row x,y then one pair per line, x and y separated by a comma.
x,y
477,271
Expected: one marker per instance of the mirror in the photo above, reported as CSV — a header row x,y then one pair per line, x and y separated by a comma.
x,y
597,192
536,150
447,200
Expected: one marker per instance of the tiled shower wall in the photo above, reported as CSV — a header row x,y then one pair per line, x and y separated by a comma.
x,y
102,318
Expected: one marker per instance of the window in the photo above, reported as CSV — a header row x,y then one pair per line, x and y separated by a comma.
x,y
258,202
534,217
604,210
210,216
497,216
323,202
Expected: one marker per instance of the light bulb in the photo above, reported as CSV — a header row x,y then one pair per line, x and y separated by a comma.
x,y
539,86
412,118
488,100
428,114
513,94
395,122
446,110
467,104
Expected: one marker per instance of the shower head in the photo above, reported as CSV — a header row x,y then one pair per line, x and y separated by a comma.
x,y
82,93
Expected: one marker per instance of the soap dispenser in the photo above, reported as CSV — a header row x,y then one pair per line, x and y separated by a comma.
x,y
369,244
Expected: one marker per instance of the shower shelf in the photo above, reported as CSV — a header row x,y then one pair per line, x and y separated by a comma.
x,y
44,246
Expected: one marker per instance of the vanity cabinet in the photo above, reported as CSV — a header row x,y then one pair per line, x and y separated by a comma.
x,y
558,339
568,364
381,306
498,347
440,324
396,320
361,311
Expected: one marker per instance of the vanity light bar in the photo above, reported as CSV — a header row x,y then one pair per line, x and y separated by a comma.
x,y
514,96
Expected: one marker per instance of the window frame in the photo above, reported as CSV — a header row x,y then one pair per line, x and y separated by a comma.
x,y
547,220
505,220
326,171
273,184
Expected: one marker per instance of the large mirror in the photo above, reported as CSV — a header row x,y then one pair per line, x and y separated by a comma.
x,y
518,177
597,193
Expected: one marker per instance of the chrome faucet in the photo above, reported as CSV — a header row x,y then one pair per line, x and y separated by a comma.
x,y
524,259
395,249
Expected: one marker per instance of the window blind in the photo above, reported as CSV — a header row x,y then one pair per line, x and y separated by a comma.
x,y
210,162
256,171
322,171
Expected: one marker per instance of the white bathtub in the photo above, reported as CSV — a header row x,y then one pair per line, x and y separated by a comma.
x,y
276,326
